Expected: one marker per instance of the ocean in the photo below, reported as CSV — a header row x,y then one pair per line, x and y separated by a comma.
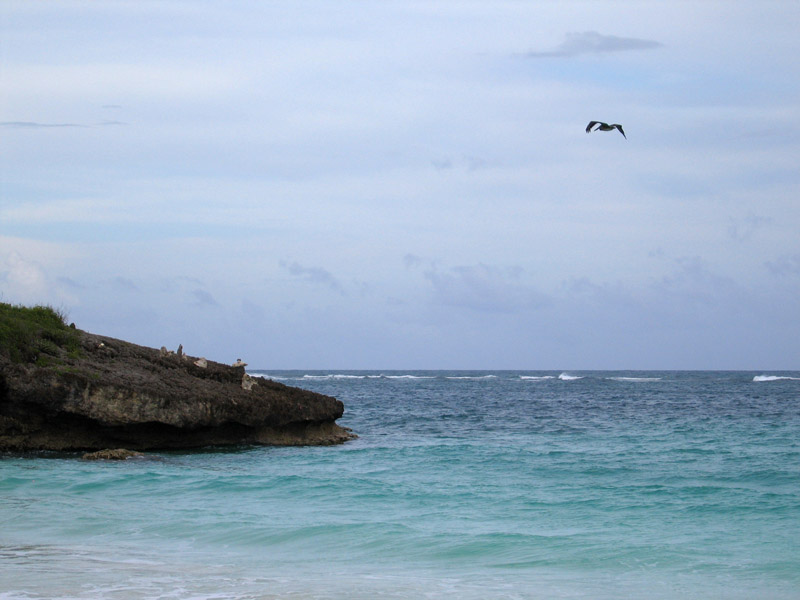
x,y
468,485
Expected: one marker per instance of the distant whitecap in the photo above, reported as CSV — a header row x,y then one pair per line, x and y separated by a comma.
x,y
568,377
334,376
774,378
261,375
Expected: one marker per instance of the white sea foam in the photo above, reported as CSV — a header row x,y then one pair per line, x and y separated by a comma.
x,y
342,376
774,378
473,377
334,376
257,375
568,377
537,377
635,378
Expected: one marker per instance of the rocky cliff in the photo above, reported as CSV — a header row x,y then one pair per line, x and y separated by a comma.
x,y
97,392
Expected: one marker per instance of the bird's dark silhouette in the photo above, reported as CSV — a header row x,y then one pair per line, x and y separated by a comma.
x,y
605,127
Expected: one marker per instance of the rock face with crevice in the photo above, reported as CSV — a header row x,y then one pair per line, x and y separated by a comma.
x,y
114,394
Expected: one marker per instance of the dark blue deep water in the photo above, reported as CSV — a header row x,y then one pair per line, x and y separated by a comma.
x,y
462,485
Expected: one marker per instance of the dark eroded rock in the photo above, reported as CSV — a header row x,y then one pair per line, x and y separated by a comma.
x,y
115,394
117,454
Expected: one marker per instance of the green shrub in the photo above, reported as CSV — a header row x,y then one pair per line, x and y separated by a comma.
x,y
36,334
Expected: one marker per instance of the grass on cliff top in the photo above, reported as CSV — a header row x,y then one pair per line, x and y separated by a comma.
x,y
37,334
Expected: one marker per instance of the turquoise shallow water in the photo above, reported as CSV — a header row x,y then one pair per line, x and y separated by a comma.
x,y
462,485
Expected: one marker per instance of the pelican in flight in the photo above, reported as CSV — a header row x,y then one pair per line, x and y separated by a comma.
x,y
605,127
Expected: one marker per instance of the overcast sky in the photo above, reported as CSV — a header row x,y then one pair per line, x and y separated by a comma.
x,y
401,184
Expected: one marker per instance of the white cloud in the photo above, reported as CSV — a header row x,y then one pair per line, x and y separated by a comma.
x,y
26,281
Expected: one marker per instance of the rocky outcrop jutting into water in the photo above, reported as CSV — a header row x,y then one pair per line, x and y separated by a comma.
x,y
108,393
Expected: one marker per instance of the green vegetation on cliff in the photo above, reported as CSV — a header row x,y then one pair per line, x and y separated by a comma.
x,y
37,334
62,388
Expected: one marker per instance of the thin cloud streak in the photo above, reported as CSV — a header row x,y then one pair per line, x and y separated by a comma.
x,y
34,125
592,42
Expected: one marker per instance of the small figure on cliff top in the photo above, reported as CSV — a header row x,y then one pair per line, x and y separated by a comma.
x,y
239,363
248,382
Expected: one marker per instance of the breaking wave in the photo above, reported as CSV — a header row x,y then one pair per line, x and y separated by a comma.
x,y
568,377
467,376
333,376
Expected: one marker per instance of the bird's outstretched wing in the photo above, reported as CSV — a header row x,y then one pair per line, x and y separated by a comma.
x,y
618,126
592,124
